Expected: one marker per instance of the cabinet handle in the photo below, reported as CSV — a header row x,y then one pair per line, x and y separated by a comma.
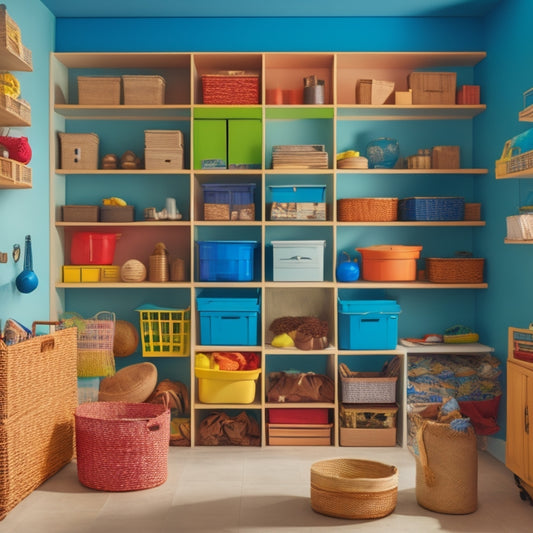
x,y
526,419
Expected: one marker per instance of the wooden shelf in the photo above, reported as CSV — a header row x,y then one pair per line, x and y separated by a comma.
x,y
459,223
123,112
123,285
12,60
408,112
140,223
7,183
513,241
410,285
120,172
415,171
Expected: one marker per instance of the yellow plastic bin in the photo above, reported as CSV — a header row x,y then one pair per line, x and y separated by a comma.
x,y
226,386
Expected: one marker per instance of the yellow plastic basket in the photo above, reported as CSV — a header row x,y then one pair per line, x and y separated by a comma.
x,y
164,332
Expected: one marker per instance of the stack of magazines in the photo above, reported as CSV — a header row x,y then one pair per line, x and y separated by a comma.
x,y
299,156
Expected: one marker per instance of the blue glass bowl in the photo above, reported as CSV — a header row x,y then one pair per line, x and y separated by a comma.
x,y
382,152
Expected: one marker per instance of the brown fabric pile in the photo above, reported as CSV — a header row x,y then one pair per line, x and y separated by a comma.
x,y
300,387
220,429
308,333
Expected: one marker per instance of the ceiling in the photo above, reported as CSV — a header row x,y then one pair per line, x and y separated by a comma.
x,y
269,8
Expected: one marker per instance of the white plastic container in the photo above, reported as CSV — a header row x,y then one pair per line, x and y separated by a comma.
x,y
298,260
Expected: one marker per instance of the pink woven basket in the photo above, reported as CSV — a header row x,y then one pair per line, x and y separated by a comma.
x,y
122,446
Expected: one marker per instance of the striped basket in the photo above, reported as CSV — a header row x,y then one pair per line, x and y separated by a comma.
x,y
367,209
230,88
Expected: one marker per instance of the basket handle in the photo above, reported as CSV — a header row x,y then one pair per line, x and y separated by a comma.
x,y
429,476
42,323
152,425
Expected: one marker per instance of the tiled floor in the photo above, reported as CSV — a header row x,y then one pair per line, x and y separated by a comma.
x,y
257,490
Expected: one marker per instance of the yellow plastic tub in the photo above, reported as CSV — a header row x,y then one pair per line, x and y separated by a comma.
x,y
226,386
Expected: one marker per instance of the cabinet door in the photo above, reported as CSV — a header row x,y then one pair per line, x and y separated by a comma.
x,y
517,449
210,143
244,143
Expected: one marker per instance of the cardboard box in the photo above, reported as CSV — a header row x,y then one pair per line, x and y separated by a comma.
x,y
403,97
79,151
374,92
433,88
299,434
446,157
367,437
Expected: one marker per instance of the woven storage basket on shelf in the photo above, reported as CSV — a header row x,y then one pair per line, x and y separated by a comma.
x,y
19,108
144,90
122,446
38,396
367,387
10,38
431,208
99,90
15,171
353,488
446,468
367,209
455,269
232,87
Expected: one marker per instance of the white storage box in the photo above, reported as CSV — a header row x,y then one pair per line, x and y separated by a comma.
x,y
298,260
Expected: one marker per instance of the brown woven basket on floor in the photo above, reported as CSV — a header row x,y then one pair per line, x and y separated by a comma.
x,y
38,397
353,488
446,468
367,209
122,446
455,269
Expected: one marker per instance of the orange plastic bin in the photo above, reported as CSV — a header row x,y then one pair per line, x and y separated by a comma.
x,y
386,262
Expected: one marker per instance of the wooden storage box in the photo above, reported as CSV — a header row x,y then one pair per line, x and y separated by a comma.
x,y
163,139
374,92
163,159
367,437
299,434
472,211
230,87
144,90
298,415
117,213
99,90
433,88
79,151
80,213
445,157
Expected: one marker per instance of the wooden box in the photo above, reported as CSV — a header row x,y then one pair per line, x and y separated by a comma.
x,y
367,437
117,213
368,416
472,211
144,90
299,434
98,90
163,159
445,157
80,213
403,97
374,92
433,88
79,151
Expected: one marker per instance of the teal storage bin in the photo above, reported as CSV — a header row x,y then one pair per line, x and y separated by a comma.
x,y
368,324
298,193
229,321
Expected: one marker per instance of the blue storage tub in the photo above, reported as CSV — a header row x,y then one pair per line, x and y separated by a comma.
x,y
226,260
432,208
368,324
237,199
229,321
298,193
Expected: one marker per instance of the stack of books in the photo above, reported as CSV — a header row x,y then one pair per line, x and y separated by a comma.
x,y
299,156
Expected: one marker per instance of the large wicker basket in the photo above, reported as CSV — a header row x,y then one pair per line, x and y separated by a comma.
x,y
367,209
122,446
38,396
455,269
353,488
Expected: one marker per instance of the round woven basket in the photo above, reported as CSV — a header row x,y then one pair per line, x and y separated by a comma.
x,y
122,446
367,209
353,488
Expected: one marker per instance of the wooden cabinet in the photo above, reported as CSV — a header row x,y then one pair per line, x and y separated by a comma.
x,y
279,117
13,112
519,440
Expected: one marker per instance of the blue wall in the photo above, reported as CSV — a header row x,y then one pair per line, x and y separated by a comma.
x,y
25,212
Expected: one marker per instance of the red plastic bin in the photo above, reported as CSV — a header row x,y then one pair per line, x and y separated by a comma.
x,y
91,248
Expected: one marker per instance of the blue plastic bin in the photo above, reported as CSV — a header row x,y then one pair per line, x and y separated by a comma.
x,y
229,321
368,324
226,260
298,193
237,199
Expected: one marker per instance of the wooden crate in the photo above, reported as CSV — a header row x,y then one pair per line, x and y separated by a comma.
x,y
163,159
433,88
445,157
80,213
16,107
299,434
79,151
374,92
367,437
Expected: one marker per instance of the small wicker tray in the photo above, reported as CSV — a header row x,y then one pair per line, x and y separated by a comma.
x,y
367,209
17,109
455,269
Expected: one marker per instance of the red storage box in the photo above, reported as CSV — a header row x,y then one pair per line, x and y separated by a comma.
x,y
91,248
313,415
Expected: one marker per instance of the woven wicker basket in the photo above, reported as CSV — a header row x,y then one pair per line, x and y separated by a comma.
x,y
18,108
144,90
15,172
230,88
353,488
122,446
455,269
39,395
367,209
99,90
10,39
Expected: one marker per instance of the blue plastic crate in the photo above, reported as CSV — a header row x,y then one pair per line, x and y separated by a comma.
x,y
226,260
227,321
298,193
368,324
237,201
432,208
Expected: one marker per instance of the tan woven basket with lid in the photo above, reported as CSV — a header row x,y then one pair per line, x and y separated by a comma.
x,y
353,488
367,209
